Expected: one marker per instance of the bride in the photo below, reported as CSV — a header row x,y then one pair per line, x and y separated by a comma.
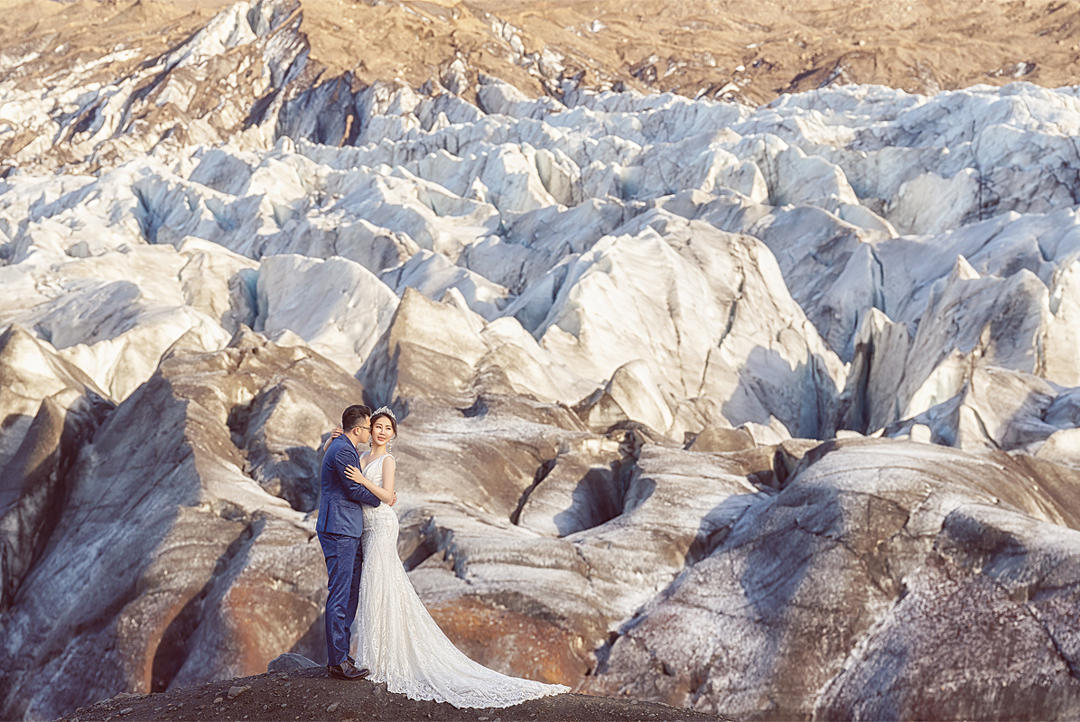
x,y
396,638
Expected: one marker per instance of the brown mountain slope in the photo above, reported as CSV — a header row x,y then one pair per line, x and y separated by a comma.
x,y
722,48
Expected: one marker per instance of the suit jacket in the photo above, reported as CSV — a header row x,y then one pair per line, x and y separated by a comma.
x,y
340,510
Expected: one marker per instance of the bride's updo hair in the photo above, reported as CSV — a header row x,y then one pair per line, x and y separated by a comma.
x,y
384,413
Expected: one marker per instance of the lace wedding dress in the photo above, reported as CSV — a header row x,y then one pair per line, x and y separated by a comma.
x,y
401,644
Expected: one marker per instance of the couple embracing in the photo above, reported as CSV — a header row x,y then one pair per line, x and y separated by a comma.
x,y
395,637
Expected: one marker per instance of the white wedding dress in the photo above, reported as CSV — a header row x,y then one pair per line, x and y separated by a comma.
x,y
399,642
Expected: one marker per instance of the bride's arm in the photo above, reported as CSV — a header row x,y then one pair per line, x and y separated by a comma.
x,y
384,493
388,468
333,435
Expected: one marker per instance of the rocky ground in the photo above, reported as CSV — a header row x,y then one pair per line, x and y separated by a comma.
x,y
311,695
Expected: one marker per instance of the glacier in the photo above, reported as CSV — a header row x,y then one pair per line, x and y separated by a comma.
x,y
729,403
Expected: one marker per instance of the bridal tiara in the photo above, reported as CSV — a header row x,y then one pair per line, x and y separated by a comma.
x,y
384,410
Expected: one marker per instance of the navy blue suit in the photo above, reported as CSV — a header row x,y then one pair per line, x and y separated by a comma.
x,y
341,522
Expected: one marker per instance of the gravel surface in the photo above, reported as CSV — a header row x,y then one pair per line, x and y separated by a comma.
x,y
310,694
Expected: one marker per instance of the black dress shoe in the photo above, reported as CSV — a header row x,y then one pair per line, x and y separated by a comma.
x,y
346,670
362,671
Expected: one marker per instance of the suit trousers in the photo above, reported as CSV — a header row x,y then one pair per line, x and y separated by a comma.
x,y
344,559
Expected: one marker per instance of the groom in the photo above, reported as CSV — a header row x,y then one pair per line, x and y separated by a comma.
x,y
341,522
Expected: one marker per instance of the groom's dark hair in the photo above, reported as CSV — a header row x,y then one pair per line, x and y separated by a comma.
x,y
354,416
